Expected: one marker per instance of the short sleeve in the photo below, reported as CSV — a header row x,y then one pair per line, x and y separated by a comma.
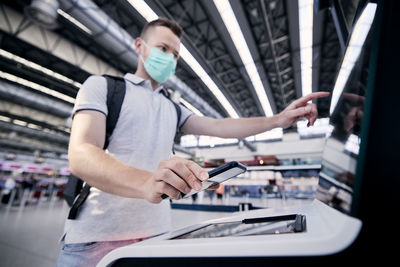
x,y
92,95
185,114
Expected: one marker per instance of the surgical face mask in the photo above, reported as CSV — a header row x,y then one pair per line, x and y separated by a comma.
x,y
159,65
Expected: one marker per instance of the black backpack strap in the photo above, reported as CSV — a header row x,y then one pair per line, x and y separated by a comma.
x,y
115,97
178,113
73,212
72,189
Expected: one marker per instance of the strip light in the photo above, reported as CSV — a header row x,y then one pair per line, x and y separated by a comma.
x,y
321,127
74,21
353,144
306,41
225,10
29,125
19,122
274,134
144,9
198,69
4,118
36,86
35,66
150,15
191,107
353,51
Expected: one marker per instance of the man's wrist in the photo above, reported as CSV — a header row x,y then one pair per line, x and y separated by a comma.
x,y
143,187
133,182
274,121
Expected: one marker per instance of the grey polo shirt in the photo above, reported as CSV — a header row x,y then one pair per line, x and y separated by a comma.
x,y
142,138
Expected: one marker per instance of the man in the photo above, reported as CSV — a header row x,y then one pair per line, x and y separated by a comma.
x,y
125,203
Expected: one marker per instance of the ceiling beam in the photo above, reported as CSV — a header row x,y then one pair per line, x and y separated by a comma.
x,y
266,18
32,113
53,43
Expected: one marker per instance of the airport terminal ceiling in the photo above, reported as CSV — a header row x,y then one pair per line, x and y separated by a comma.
x,y
41,69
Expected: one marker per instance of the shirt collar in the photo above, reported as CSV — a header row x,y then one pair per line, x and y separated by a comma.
x,y
145,83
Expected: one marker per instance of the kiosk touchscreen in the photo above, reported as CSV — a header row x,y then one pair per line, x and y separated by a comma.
x,y
326,226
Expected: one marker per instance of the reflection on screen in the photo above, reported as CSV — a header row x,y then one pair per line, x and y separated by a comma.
x,y
339,159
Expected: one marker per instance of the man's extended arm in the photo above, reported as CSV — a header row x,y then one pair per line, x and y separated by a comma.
x,y
244,127
89,161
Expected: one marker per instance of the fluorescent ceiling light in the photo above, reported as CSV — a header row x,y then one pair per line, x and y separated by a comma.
x,y
321,127
306,13
150,15
231,23
251,138
4,118
191,107
35,66
352,144
144,9
19,122
353,51
189,141
36,86
203,140
74,21
212,141
34,126
198,69
274,134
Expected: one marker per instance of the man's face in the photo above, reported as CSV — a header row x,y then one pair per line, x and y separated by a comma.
x,y
161,38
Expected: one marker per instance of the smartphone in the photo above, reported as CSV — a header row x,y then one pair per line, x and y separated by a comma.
x,y
217,175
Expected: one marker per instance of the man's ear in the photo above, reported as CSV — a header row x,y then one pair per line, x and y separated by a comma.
x,y
138,45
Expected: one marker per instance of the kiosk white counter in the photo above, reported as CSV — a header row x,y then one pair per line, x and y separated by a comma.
x,y
327,231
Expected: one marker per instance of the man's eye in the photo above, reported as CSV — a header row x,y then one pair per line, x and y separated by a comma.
x,y
164,49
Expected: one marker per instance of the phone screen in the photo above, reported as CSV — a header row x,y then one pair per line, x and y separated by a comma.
x,y
218,175
218,178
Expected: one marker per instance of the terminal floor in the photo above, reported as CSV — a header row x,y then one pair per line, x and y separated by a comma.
x,y
29,235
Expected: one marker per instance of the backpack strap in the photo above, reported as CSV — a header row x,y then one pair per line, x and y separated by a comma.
x,y
115,97
178,113
73,212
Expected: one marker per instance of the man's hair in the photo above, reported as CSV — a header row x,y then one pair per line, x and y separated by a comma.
x,y
170,24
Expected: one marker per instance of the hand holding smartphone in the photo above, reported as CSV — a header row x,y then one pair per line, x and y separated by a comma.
x,y
217,175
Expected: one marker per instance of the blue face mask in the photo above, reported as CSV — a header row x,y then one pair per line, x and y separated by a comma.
x,y
159,65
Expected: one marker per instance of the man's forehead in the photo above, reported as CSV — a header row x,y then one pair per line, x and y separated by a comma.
x,y
161,34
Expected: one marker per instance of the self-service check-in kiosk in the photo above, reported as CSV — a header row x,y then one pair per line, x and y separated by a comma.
x,y
332,223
